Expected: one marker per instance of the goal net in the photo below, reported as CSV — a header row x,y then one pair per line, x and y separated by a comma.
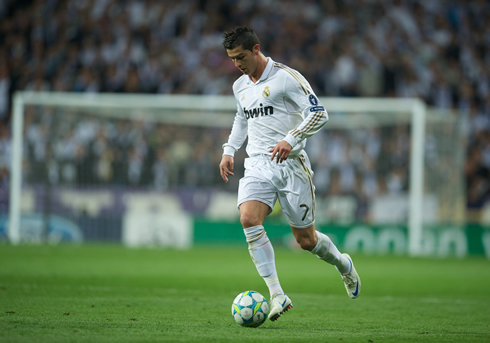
x,y
90,165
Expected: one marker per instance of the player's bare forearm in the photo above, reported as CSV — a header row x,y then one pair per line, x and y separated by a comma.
x,y
281,151
226,167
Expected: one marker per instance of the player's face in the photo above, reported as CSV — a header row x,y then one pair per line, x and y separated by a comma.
x,y
245,60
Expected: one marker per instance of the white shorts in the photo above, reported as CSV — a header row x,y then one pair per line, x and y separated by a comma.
x,y
290,182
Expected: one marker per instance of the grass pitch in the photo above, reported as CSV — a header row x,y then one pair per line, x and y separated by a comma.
x,y
108,293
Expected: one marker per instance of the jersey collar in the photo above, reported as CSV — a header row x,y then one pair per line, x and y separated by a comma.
x,y
265,74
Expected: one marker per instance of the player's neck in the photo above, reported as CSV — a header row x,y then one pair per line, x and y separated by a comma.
x,y
255,76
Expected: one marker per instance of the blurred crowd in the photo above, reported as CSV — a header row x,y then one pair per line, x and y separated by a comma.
x,y
437,50
92,151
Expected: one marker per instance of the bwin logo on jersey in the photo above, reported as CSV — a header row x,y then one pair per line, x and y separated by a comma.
x,y
261,111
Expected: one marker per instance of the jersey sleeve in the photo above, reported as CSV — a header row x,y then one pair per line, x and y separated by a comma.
x,y
314,115
238,134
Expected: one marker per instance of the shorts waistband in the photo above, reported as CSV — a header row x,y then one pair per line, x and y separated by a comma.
x,y
263,156
268,156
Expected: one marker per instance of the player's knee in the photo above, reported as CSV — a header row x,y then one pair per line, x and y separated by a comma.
x,y
306,242
249,220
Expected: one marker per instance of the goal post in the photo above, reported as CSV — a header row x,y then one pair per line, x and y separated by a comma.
x,y
212,111
417,110
16,169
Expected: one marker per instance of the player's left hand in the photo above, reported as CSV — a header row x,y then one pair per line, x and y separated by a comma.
x,y
282,150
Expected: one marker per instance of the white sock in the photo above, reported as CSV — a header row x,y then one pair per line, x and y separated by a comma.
x,y
328,252
262,255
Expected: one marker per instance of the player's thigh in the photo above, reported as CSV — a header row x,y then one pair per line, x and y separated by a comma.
x,y
256,187
253,213
297,195
298,204
259,193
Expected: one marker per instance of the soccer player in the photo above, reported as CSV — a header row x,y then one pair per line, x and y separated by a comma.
x,y
278,110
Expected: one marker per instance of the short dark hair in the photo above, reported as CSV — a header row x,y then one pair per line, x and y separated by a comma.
x,y
240,36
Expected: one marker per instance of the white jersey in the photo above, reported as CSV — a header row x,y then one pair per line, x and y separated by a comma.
x,y
280,106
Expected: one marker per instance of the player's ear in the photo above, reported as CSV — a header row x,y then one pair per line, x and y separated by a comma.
x,y
256,49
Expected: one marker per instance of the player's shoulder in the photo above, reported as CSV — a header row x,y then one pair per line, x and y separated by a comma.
x,y
286,71
291,78
240,83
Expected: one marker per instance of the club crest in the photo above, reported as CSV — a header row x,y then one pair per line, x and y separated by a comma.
x,y
266,93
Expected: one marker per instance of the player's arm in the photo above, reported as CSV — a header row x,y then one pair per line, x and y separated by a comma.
x,y
226,167
235,141
314,113
315,116
281,151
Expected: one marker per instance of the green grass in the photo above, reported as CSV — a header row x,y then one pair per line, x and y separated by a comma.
x,y
108,293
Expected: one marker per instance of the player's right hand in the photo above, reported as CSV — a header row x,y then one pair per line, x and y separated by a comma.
x,y
226,167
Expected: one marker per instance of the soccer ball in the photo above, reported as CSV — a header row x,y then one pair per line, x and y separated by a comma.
x,y
250,309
